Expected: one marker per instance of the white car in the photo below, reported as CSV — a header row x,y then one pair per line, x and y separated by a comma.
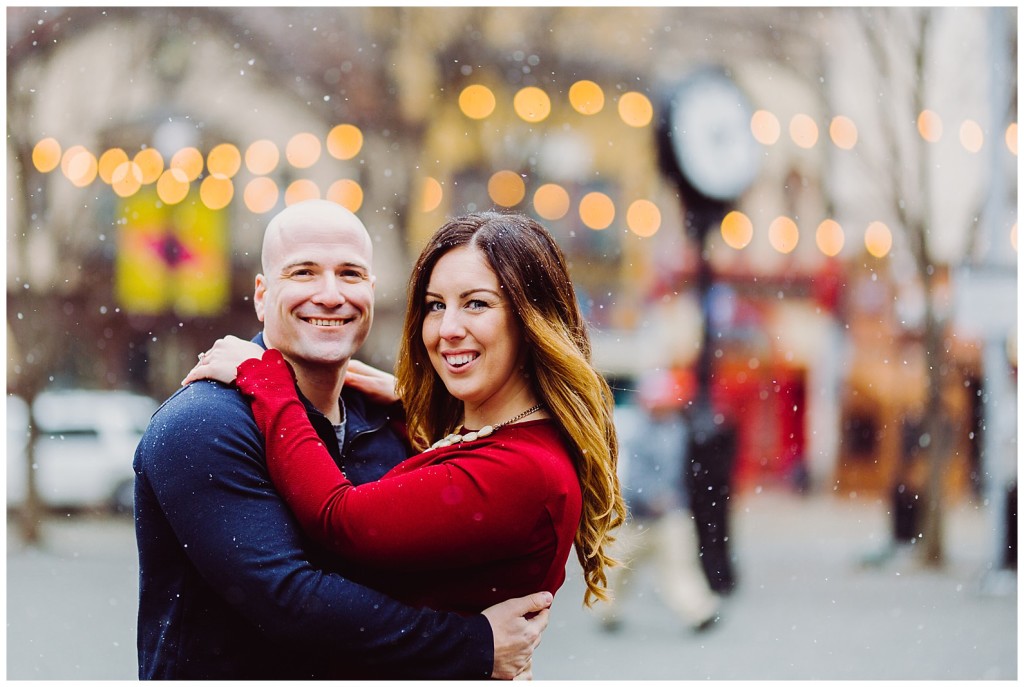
x,y
84,447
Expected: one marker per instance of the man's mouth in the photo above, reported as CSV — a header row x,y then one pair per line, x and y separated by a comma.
x,y
459,359
326,321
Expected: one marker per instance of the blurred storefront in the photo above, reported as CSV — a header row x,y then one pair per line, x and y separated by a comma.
x,y
407,115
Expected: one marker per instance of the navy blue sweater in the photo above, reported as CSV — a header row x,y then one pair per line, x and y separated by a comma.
x,y
229,587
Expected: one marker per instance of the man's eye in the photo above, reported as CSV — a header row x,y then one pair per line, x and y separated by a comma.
x,y
352,276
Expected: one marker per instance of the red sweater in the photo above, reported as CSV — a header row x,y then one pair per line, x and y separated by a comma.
x,y
459,528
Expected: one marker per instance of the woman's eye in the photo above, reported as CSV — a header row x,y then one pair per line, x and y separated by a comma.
x,y
476,305
435,306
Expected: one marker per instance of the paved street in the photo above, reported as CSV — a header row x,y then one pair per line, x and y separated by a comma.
x,y
804,607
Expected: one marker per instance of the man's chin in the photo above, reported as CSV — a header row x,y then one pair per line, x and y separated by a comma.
x,y
333,354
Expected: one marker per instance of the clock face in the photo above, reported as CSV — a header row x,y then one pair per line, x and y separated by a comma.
x,y
711,138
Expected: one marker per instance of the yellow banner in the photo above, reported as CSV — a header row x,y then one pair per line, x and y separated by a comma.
x,y
171,257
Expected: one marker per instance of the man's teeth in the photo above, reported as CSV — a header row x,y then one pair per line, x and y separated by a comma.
x,y
461,359
324,323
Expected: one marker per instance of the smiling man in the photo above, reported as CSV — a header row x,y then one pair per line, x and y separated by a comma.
x,y
229,588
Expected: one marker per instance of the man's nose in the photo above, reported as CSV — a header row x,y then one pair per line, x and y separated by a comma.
x,y
329,291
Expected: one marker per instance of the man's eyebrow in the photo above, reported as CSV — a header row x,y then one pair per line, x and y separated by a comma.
x,y
314,263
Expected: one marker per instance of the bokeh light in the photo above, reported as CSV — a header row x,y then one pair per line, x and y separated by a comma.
x,y
830,238
110,160
929,125
532,104
82,168
803,130
971,136
1011,137
126,179
172,186
261,195
190,161
476,101
765,127
551,201
506,188
261,157
431,195
843,132
216,191
69,155
303,151
300,190
344,141
597,211
643,218
635,109
737,230
346,193
586,97
878,239
46,155
783,235
151,162
224,160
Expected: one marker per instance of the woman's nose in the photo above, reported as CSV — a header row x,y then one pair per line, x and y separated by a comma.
x,y
451,325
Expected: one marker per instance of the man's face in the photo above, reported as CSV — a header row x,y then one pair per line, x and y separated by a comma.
x,y
315,298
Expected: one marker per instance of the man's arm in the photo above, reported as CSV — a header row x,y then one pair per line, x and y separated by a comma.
x,y
202,458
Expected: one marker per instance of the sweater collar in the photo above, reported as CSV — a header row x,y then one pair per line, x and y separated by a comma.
x,y
362,415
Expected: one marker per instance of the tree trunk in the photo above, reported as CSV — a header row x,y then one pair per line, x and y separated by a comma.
x,y
939,435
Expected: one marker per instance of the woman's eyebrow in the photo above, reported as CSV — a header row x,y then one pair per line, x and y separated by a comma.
x,y
468,292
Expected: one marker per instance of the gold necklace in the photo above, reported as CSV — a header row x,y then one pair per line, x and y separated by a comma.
x,y
484,431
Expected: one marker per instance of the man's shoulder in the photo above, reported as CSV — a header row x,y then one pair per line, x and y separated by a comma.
x,y
203,419
201,403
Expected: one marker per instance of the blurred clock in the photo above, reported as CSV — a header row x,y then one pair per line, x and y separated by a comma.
x,y
707,130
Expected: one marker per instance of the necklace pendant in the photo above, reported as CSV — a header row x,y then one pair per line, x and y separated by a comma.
x,y
485,431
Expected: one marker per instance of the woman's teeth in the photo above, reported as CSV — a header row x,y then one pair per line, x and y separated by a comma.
x,y
460,359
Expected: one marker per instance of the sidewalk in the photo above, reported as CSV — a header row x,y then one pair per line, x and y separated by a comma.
x,y
804,608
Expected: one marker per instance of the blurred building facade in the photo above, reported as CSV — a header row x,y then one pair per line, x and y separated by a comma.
x,y
408,115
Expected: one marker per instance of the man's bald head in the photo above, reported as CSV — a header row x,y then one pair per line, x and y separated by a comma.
x,y
310,215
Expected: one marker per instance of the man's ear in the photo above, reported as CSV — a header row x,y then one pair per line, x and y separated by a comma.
x,y
258,295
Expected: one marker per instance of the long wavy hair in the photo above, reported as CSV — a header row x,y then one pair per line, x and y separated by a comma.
x,y
534,276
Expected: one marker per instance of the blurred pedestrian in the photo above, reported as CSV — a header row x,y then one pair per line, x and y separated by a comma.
x,y
660,529
229,586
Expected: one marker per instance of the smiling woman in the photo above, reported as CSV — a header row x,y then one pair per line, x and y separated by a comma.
x,y
496,365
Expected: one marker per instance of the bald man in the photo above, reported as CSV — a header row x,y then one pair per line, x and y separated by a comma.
x,y
229,588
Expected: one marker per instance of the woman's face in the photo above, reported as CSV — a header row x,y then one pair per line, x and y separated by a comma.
x,y
471,334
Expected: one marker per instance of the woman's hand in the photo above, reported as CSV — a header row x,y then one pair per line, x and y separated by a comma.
x,y
221,362
377,384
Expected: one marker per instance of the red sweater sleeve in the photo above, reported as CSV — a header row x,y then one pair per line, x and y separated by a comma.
x,y
428,512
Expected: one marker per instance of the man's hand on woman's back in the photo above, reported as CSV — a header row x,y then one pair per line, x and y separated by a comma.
x,y
517,625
